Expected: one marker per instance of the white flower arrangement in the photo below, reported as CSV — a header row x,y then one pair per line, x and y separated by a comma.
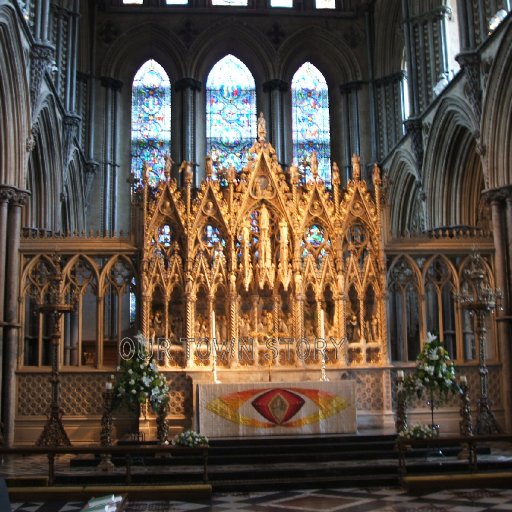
x,y
419,432
139,380
434,371
190,439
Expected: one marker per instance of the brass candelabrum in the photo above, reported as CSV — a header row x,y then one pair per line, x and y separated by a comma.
x,y
106,463
481,300
53,433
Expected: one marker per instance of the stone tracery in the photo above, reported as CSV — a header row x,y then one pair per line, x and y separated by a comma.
x,y
260,257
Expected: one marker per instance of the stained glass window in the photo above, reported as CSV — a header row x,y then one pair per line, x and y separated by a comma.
x,y
310,120
133,303
211,236
165,235
315,243
151,119
230,113
315,236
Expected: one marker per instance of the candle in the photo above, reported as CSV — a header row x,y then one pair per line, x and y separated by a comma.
x,y
400,375
322,324
463,380
213,329
108,386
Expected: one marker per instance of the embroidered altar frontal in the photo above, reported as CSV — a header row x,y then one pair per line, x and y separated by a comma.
x,y
276,408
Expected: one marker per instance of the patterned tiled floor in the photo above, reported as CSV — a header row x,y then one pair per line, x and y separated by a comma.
x,y
324,500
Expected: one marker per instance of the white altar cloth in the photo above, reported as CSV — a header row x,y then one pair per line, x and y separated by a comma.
x,y
276,408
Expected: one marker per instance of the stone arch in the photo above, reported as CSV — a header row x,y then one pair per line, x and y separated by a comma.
x,y
45,171
241,42
497,116
14,101
136,46
406,210
75,193
389,41
452,165
334,59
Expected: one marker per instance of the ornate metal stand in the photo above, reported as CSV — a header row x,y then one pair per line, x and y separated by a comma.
x,y
53,433
480,300
401,406
162,427
106,463
466,423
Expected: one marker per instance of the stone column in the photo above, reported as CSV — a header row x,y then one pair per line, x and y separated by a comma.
x,y
350,103
275,90
6,194
502,243
188,90
11,337
112,87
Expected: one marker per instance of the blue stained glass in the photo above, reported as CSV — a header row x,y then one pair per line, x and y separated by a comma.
x,y
315,242
230,113
212,236
151,119
315,236
165,235
310,120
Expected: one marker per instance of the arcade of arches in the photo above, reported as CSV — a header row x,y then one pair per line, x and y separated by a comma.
x,y
251,172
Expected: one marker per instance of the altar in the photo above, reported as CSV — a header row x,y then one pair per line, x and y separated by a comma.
x,y
280,408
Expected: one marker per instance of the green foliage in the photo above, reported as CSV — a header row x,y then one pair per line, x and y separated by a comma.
x,y
190,438
139,381
434,373
419,432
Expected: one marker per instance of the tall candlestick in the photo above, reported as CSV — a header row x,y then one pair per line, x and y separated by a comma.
x,y
324,350
214,348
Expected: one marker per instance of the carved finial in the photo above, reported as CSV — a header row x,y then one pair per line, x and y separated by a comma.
x,y
335,174
168,165
145,173
294,173
262,128
313,162
356,167
376,175
208,166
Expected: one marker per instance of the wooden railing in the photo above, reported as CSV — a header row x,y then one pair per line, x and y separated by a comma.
x,y
128,451
468,447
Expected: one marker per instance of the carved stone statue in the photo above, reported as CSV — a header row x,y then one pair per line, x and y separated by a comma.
x,y
157,325
353,330
374,324
168,165
208,166
314,165
262,128
356,167
335,174
265,248
294,173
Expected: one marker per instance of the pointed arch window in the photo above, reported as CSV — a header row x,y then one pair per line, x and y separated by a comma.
x,y
310,120
151,119
230,113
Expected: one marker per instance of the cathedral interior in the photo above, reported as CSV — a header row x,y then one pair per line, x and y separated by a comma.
x,y
252,170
